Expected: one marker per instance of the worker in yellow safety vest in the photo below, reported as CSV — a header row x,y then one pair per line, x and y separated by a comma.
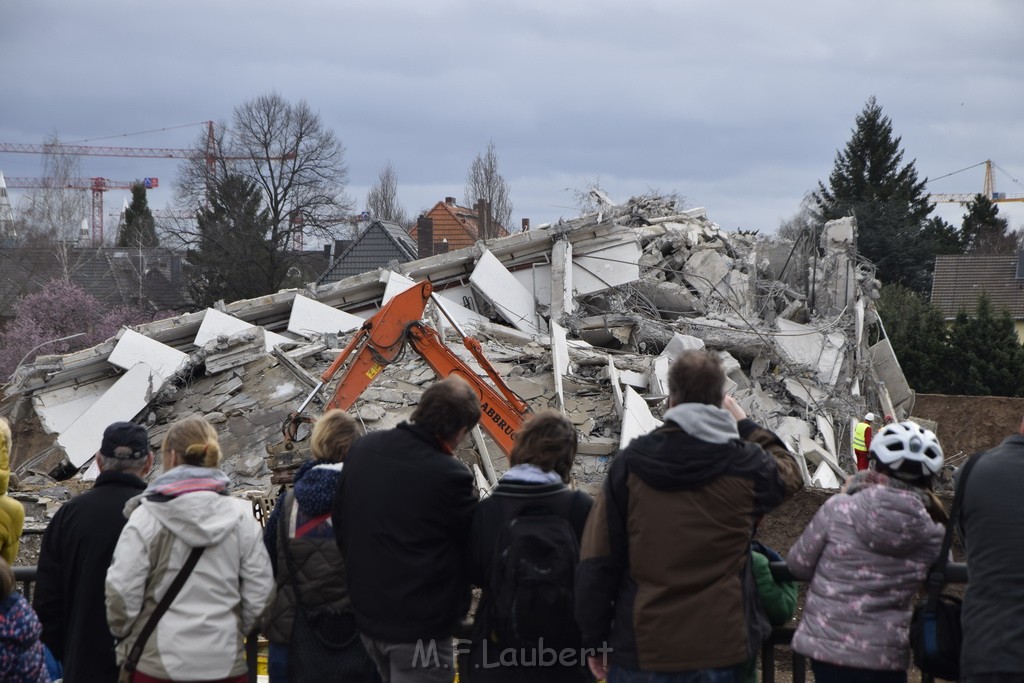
x,y
862,441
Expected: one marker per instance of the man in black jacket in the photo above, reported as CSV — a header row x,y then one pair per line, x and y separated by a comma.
x,y
992,522
76,551
402,515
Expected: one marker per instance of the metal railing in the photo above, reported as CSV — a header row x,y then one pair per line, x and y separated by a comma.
x,y
781,636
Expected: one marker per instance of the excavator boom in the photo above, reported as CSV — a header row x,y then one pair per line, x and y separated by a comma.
x,y
382,340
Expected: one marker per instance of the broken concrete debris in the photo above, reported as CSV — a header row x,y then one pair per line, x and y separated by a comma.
x,y
584,316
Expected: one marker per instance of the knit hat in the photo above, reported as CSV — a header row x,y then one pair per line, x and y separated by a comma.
x,y
125,435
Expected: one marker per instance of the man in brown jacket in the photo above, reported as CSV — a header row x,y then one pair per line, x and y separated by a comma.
x,y
664,579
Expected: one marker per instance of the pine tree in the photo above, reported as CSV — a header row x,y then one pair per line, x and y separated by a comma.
x,y
139,229
233,258
987,357
984,231
869,181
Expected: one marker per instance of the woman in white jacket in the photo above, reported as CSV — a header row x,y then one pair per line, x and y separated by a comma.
x,y
200,637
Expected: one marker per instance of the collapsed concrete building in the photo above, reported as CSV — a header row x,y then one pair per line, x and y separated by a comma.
x,y
584,316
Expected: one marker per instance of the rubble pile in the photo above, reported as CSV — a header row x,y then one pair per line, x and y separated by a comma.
x,y
583,316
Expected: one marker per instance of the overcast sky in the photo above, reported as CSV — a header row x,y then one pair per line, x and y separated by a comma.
x,y
738,106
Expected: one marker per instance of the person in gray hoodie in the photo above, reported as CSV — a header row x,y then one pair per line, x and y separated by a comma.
x,y
201,636
866,553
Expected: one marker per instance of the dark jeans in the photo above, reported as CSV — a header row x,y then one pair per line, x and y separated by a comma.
x,y
733,674
833,673
277,663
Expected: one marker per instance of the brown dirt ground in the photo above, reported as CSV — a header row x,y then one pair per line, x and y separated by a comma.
x,y
968,424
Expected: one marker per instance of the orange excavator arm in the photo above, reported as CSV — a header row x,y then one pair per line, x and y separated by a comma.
x,y
383,339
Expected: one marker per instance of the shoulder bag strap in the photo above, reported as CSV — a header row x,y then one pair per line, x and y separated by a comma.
x,y
165,602
937,575
284,522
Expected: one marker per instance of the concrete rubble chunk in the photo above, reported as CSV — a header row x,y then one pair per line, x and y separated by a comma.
x,y
704,271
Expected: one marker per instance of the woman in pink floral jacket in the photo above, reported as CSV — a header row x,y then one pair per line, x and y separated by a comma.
x,y
866,553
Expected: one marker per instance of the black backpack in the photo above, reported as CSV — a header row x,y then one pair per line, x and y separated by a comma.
x,y
533,575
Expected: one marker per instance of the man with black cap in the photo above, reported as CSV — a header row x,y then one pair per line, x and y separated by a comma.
x,y
76,551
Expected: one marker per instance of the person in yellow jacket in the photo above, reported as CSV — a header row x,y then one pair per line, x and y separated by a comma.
x,y
12,512
862,441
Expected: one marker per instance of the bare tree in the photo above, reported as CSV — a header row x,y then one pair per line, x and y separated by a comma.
x,y
382,199
295,161
52,217
55,212
485,182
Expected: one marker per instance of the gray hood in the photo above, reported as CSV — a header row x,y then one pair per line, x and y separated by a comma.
x,y
706,422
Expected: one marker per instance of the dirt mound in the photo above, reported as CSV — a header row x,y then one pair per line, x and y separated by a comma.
x,y
967,424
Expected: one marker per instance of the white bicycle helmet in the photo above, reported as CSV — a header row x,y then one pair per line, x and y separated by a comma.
x,y
900,443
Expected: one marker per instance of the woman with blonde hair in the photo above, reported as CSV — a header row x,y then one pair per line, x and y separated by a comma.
x,y
184,519
312,592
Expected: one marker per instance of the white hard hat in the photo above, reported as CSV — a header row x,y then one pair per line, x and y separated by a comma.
x,y
870,417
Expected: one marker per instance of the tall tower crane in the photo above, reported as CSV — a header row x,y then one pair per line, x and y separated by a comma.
x,y
97,185
209,154
988,190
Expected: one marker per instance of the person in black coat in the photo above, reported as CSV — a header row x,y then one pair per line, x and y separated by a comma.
x,y
541,463
76,551
401,515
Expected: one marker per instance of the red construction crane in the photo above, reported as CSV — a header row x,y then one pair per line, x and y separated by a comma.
x,y
209,154
97,185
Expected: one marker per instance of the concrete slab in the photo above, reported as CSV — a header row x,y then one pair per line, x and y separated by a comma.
x,y
597,268
827,433
806,347
59,408
133,348
657,378
216,324
815,452
122,401
888,371
512,301
825,478
805,394
613,377
310,318
560,360
792,430
704,271
679,343
562,302
637,419
737,290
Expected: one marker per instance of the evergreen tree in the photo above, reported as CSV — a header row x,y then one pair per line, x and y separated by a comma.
x,y
233,258
918,336
870,182
942,237
987,357
139,228
984,231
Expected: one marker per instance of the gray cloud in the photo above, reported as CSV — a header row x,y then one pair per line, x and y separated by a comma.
x,y
739,106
